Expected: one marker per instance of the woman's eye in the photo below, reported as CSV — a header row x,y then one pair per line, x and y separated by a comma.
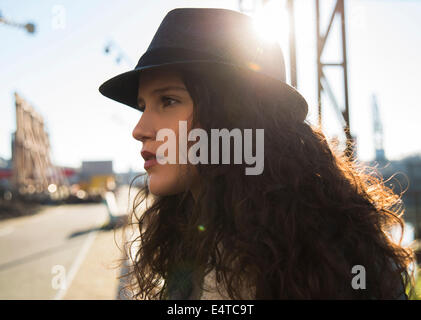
x,y
168,101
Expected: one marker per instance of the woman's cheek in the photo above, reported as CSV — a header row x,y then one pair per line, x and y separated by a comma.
x,y
163,180
170,179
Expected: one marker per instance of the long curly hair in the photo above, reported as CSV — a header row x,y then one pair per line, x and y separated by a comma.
x,y
293,232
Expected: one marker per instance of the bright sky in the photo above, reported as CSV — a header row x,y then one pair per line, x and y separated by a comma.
x,y
58,70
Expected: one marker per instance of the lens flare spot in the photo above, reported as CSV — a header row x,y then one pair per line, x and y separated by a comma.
x,y
253,66
201,228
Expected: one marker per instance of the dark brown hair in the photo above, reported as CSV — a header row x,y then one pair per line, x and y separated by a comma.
x,y
293,232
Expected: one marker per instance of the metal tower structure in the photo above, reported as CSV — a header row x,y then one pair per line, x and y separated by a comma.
x,y
292,46
323,85
378,131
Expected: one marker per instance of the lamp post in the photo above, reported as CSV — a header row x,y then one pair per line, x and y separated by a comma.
x,y
29,27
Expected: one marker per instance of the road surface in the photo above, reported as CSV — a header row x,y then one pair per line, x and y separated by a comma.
x,y
60,253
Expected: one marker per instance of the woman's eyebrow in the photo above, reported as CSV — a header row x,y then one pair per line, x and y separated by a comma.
x,y
160,90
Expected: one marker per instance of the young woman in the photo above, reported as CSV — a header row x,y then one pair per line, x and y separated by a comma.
x,y
310,225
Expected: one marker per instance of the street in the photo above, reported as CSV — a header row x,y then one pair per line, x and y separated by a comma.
x,y
59,253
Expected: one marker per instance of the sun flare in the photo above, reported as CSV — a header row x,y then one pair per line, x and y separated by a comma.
x,y
271,22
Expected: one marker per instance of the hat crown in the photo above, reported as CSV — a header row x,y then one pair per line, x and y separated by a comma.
x,y
222,34
209,37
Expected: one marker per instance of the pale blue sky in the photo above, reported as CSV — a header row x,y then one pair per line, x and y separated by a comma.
x,y
59,71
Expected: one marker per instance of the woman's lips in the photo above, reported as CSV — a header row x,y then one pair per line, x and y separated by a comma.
x,y
150,163
150,159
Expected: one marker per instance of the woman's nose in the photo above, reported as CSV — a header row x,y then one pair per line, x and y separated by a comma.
x,y
143,130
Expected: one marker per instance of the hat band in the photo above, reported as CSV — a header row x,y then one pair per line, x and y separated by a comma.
x,y
176,55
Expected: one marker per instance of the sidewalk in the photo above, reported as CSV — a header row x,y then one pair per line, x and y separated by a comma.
x,y
97,275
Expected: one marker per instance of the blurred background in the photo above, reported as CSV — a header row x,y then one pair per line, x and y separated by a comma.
x,y
67,154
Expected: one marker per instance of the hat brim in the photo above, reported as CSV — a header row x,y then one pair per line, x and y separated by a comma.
x,y
123,88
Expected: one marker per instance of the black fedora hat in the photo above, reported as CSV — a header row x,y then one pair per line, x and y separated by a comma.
x,y
207,36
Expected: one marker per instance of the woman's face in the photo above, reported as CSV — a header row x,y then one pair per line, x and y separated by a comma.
x,y
165,101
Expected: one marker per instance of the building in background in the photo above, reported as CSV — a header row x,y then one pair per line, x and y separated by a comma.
x,y
95,178
5,175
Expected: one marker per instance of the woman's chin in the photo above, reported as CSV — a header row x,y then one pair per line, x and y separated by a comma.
x,y
159,186
169,180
